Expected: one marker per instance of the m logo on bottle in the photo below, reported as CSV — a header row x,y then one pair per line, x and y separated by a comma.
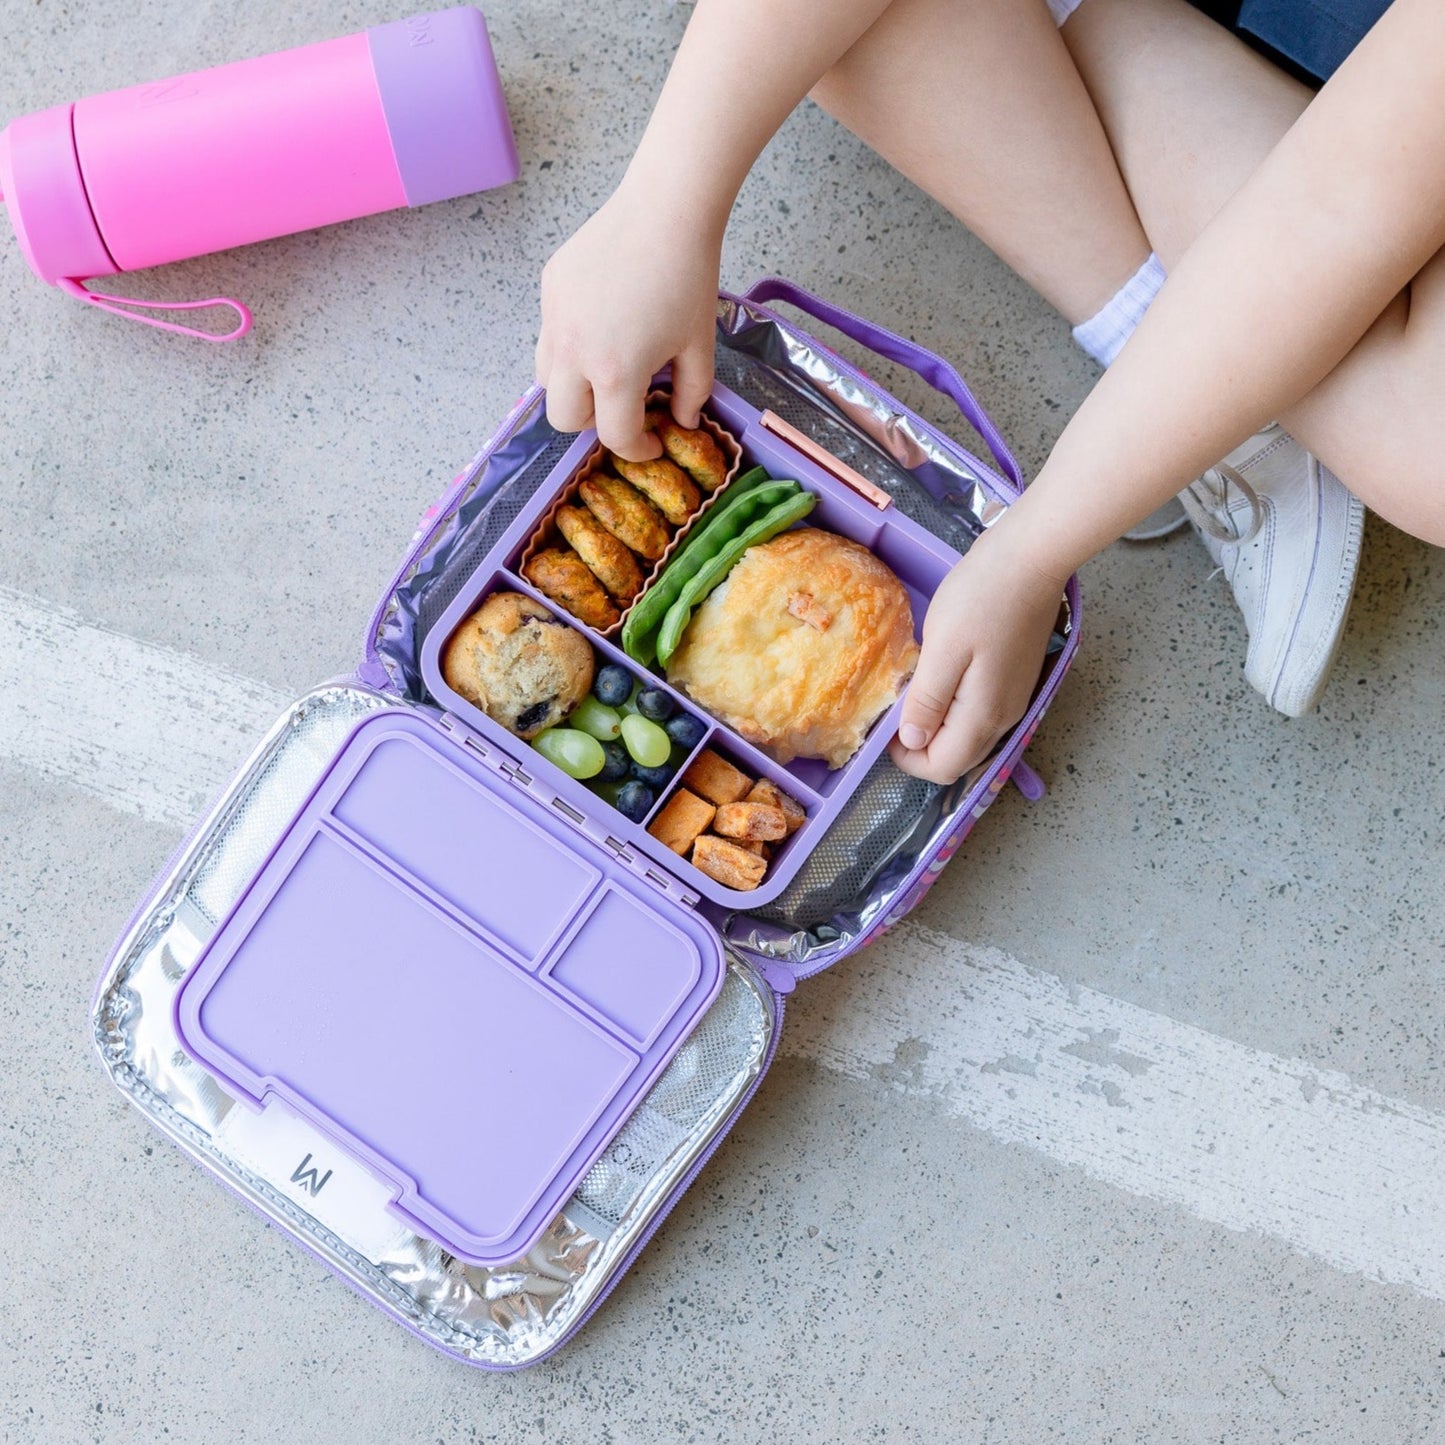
x,y
305,1174
162,91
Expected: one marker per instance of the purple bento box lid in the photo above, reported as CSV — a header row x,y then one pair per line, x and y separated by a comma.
x,y
462,990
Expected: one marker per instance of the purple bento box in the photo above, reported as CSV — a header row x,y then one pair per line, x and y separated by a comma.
x,y
560,946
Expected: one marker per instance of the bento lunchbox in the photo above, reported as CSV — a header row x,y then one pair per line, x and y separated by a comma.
x,y
464,1021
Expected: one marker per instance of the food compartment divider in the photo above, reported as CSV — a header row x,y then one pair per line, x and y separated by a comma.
x,y
757,762
626,977
579,796
675,781
611,652
443,866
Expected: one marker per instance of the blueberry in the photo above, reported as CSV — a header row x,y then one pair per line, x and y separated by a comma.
x,y
634,800
534,717
685,730
653,777
654,704
612,685
615,763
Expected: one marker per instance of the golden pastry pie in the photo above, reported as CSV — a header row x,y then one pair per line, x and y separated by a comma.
x,y
801,648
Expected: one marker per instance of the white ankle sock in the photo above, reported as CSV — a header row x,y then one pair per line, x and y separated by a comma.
x,y
1103,335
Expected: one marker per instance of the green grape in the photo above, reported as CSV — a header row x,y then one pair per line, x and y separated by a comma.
x,y
647,743
596,718
577,754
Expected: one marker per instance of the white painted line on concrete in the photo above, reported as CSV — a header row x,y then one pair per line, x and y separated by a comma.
x,y
1165,1111
1154,1107
150,731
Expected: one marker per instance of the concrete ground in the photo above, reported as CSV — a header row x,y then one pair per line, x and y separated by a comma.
x,y
1133,1136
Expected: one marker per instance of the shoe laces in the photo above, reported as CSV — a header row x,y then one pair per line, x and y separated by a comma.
x,y
1207,499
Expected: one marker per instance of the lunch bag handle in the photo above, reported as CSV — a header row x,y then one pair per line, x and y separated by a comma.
x,y
938,373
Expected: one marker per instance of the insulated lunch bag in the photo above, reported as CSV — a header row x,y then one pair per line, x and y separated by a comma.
x,y
446,1015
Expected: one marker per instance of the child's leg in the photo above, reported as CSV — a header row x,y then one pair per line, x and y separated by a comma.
x,y
979,103
1190,112
976,101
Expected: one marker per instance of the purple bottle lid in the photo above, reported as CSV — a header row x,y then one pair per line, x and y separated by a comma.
x,y
443,102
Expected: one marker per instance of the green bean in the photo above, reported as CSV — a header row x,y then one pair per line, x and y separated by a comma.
x,y
778,519
734,511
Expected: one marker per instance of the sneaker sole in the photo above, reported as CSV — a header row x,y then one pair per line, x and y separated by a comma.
x,y
1296,680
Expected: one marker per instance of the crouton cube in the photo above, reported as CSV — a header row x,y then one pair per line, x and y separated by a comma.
x,y
730,865
767,791
682,818
715,779
753,822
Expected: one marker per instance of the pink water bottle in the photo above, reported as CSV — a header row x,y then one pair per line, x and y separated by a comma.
x,y
399,115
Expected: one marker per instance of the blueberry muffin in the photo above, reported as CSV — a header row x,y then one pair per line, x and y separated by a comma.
x,y
524,668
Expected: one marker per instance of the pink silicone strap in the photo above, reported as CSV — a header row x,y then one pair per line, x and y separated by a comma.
x,y
130,308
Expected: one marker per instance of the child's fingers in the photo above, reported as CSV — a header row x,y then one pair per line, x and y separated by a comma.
x,y
692,372
967,735
542,358
930,694
621,422
569,400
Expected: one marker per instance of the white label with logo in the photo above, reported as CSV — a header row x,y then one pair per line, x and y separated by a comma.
x,y
302,1163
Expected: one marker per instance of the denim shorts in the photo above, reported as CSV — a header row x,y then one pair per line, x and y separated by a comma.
x,y
1315,35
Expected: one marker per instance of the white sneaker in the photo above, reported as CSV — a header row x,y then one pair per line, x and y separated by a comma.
x,y
1286,533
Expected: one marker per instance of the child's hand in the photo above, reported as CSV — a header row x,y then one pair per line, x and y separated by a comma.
x,y
983,644
634,289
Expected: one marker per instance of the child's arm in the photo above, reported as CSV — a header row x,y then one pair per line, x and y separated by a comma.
x,y
1290,274
636,287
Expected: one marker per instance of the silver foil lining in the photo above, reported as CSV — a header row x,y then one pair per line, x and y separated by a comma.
x,y
506,1316
893,821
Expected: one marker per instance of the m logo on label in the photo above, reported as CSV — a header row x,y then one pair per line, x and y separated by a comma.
x,y
306,1176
